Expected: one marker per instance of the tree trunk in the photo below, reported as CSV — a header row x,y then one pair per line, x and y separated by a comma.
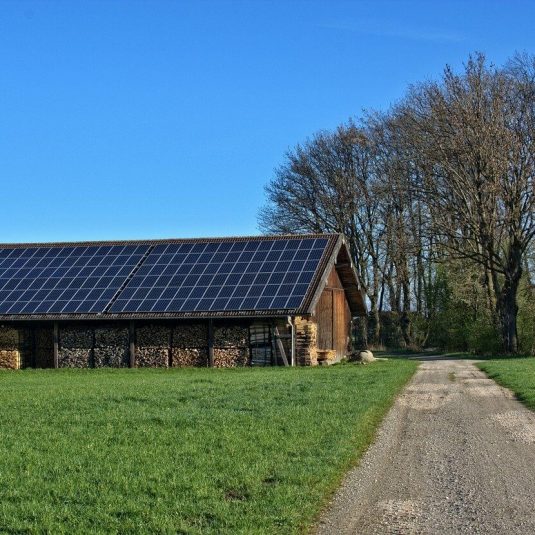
x,y
405,320
508,313
376,318
363,325
506,302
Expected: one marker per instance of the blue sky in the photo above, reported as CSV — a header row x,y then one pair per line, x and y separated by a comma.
x,y
165,119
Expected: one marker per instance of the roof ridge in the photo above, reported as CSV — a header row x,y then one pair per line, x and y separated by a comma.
x,y
159,241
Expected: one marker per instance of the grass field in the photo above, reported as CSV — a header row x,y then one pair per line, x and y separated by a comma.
x,y
183,451
517,374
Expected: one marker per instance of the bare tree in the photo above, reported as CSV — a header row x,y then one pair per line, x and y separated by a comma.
x,y
472,135
446,176
328,185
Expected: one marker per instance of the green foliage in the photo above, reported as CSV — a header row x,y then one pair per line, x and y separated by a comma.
x,y
526,318
482,336
183,451
459,318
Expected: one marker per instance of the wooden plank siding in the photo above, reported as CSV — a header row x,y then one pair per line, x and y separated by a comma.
x,y
333,317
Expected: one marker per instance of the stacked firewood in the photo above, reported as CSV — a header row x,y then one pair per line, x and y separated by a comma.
x,y
44,347
230,357
190,356
326,356
306,347
231,336
75,347
111,347
9,338
9,359
190,344
231,346
9,348
152,346
190,335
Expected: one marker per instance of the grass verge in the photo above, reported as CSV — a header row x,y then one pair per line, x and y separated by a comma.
x,y
517,374
183,451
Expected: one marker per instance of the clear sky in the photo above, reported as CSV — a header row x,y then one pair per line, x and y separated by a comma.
x,y
165,119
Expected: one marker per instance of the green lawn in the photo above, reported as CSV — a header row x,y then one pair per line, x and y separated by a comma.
x,y
518,374
183,451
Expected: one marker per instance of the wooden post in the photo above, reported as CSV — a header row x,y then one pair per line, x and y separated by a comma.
x,y
132,342
292,323
211,343
56,345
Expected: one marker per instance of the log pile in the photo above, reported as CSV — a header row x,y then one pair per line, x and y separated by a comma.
x,y
44,347
157,345
9,359
9,338
9,348
152,346
326,356
75,347
187,335
190,356
231,346
231,336
230,357
306,348
111,347
190,344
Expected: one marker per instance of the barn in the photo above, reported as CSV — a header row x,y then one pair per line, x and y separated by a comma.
x,y
263,300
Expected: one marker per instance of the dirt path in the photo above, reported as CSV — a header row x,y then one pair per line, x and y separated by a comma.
x,y
456,454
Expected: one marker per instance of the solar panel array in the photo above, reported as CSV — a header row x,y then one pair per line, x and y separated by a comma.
x,y
164,278
222,276
63,280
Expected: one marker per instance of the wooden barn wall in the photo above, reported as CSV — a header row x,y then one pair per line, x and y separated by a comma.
x,y
333,317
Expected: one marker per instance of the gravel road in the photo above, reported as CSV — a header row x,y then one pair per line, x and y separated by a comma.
x,y
456,454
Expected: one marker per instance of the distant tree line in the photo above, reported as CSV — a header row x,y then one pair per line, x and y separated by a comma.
x,y
436,197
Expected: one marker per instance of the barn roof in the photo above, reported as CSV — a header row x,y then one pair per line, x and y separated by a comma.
x,y
174,278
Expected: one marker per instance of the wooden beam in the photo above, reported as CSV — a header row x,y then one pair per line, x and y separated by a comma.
x,y
132,342
280,345
211,343
56,345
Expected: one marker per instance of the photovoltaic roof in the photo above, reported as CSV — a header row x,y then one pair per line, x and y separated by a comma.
x,y
162,278
62,280
246,275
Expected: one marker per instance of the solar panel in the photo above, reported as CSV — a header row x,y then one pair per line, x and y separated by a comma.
x,y
61,280
223,276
